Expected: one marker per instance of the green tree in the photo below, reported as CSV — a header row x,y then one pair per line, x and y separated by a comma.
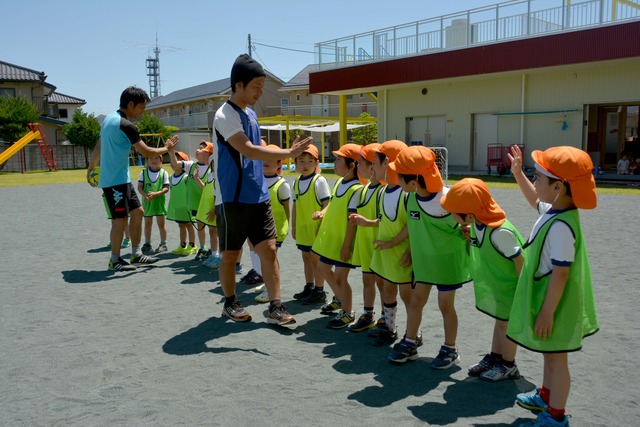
x,y
365,134
149,123
83,130
15,116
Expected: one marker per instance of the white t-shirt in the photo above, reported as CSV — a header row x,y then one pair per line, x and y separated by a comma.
x,y
390,202
153,176
322,187
559,245
623,166
354,201
227,122
284,191
504,240
202,168
431,205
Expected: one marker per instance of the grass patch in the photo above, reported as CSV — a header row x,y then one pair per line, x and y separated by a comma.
x,y
76,176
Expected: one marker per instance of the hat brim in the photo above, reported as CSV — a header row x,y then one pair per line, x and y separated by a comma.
x,y
583,188
584,194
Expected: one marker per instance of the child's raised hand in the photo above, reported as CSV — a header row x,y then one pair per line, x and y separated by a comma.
x,y
299,146
171,142
515,158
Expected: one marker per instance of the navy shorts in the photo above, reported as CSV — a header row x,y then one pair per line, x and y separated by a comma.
x,y
441,288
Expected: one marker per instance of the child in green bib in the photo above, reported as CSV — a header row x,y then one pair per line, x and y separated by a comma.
x,y
553,307
177,210
496,259
280,194
438,254
153,185
363,248
336,236
391,259
311,194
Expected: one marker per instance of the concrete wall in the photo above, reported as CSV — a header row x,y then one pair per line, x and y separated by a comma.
x,y
558,88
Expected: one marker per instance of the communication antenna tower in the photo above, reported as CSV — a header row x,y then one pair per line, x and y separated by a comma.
x,y
153,71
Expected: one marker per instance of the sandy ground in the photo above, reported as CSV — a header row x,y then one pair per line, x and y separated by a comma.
x,y
85,346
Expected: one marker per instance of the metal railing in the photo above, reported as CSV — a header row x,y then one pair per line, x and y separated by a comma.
x,y
354,109
205,119
489,24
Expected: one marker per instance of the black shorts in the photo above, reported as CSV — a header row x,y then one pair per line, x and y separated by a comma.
x,y
121,199
238,222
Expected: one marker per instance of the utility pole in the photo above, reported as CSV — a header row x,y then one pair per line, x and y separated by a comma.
x,y
249,44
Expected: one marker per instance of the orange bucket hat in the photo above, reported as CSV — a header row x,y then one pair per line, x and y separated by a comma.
x,y
572,165
351,151
182,156
313,150
419,160
208,147
472,196
272,147
368,152
391,149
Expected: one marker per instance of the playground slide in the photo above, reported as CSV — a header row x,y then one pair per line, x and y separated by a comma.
x,y
17,146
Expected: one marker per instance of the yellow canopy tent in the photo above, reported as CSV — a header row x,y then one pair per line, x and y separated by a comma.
x,y
320,124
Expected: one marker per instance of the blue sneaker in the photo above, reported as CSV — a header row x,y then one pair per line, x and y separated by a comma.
x,y
532,402
126,243
238,268
403,352
212,262
546,420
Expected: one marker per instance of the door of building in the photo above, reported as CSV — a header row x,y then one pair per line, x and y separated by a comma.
x,y
429,131
485,132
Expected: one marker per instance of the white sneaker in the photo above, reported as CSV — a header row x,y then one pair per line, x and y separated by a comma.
x,y
263,297
499,372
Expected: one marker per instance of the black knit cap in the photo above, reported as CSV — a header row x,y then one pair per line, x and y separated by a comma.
x,y
245,69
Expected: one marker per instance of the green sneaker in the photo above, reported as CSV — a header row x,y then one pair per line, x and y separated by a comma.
x,y
179,250
126,243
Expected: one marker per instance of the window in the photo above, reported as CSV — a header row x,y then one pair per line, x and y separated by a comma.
x,y
361,95
297,97
8,92
63,113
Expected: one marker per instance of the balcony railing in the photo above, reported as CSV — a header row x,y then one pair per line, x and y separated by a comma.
x,y
490,24
202,121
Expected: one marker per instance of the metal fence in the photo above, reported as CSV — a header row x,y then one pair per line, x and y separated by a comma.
x,y
66,157
489,24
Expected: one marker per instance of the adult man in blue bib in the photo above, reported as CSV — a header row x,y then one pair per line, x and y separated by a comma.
x,y
243,205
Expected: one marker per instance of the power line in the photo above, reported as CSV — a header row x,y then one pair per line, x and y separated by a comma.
x,y
282,48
